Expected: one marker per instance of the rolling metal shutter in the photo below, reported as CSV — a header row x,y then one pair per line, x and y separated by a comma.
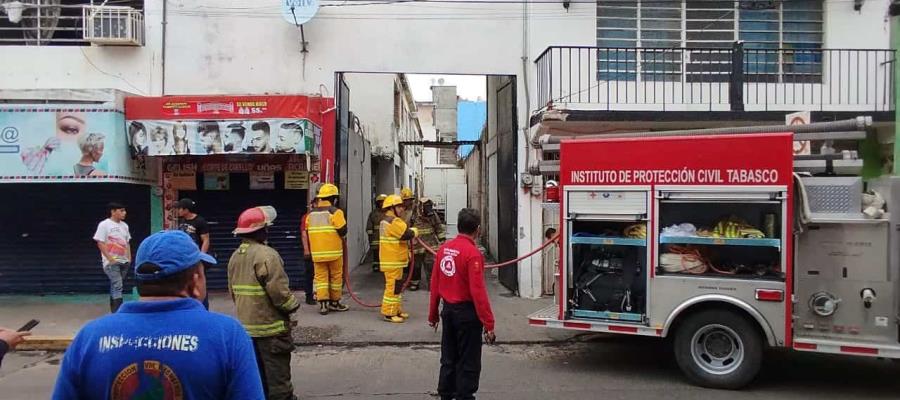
x,y
46,242
221,210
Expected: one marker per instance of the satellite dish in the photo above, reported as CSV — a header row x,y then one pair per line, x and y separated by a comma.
x,y
299,11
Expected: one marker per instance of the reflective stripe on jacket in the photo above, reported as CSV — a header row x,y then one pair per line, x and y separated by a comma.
x,y
323,225
259,287
393,249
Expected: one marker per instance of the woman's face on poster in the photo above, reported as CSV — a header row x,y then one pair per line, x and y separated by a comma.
x,y
69,125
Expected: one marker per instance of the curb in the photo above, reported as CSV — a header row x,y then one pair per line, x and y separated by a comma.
x,y
45,343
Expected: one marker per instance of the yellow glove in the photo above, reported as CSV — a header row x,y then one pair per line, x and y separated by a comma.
x,y
415,232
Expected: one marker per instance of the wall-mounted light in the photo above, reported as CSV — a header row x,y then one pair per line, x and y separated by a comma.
x,y
857,4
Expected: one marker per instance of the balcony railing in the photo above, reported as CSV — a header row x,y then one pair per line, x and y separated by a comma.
x,y
716,79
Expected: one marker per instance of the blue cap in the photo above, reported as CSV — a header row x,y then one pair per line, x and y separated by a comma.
x,y
172,251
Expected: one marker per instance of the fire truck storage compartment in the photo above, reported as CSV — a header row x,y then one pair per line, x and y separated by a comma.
x,y
607,255
721,235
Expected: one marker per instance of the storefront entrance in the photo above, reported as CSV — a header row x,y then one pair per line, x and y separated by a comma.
x,y
222,207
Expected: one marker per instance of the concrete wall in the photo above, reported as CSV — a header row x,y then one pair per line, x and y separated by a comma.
x,y
236,47
426,121
357,201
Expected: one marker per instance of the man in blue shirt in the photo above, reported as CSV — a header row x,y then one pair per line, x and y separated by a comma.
x,y
165,346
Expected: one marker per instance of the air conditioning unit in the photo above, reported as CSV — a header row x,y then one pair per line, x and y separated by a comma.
x,y
113,25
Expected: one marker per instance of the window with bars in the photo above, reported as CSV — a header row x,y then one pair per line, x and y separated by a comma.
x,y
50,22
665,40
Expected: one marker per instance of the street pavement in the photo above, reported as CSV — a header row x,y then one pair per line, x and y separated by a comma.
x,y
64,315
355,355
607,367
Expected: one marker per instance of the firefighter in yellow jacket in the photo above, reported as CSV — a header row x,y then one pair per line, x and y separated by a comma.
x,y
431,231
326,227
264,301
394,235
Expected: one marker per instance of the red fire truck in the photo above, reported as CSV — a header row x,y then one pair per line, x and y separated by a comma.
x,y
727,243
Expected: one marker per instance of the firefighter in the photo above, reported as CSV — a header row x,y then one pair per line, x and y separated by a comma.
x,y
326,227
264,302
393,234
431,231
372,229
409,203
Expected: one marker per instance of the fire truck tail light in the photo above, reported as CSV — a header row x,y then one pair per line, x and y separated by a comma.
x,y
770,295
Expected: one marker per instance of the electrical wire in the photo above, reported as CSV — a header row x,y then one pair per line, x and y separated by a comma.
x,y
91,62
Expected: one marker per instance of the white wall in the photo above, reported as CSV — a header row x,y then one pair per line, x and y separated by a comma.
x,y
240,47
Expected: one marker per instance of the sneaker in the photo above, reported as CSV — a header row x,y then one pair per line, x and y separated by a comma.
x,y
395,319
337,306
323,307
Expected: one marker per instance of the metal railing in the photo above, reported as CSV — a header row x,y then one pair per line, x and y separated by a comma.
x,y
113,25
716,79
43,23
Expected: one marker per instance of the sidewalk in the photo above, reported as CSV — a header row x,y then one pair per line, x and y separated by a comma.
x,y
61,316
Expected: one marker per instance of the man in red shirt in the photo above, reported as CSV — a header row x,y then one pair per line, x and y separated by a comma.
x,y
458,280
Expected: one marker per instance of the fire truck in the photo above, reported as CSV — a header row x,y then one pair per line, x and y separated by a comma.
x,y
728,242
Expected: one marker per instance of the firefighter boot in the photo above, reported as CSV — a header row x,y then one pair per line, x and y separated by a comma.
x,y
395,319
323,307
337,306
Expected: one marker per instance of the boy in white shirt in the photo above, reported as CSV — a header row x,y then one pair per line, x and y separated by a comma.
x,y
113,239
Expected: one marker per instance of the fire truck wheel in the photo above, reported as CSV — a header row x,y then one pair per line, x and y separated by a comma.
x,y
718,349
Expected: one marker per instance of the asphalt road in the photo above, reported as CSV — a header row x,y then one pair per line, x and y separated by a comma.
x,y
607,367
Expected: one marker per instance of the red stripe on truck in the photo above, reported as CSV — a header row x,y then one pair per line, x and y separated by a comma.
x,y
623,329
859,350
576,325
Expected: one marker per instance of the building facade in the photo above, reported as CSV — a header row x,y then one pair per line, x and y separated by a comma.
x,y
609,60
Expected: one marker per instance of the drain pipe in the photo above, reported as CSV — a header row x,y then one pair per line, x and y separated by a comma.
x,y
165,23
856,124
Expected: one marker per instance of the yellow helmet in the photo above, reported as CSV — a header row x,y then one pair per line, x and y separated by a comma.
x,y
327,190
391,201
381,197
407,194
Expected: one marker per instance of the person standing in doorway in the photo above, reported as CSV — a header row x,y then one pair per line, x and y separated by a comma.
x,y
326,228
431,231
264,301
114,241
372,224
165,345
197,228
457,281
394,235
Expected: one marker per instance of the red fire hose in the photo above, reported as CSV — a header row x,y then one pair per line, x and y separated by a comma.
x,y
353,295
505,263
356,299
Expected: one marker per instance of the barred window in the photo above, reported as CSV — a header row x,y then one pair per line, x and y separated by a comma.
x,y
645,38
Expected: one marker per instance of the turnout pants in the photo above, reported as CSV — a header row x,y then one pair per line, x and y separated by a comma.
x,y
391,302
460,352
424,262
273,355
329,279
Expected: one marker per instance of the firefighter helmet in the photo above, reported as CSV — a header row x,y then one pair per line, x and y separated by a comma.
x,y
254,219
425,200
407,194
391,201
327,190
381,197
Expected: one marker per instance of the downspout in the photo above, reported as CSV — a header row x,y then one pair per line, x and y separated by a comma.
x,y
165,22
524,127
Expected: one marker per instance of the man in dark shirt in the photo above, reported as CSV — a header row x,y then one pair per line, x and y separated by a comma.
x,y
457,280
196,227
